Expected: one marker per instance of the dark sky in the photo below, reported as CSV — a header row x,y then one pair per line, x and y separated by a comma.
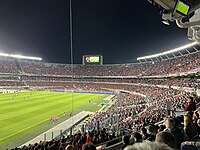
x,y
121,30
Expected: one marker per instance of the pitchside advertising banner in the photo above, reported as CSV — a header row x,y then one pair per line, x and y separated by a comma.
x,y
92,59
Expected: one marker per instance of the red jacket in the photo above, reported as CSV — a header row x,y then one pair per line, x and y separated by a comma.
x,y
89,139
190,107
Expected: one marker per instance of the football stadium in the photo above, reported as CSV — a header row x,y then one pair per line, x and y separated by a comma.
x,y
150,104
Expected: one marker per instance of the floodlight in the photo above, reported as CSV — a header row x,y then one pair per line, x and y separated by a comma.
x,y
168,52
25,57
180,48
3,54
166,22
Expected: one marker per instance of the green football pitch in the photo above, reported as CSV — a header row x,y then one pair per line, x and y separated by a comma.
x,y
27,114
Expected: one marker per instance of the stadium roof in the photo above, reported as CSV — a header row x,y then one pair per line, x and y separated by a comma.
x,y
21,56
168,52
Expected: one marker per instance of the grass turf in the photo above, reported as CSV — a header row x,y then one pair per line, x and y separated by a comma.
x,y
27,115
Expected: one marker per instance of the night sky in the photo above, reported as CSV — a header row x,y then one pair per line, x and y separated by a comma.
x,y
121,30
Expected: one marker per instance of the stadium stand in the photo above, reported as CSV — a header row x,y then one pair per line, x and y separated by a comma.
x,y
166,67
8,66
129,119
149,95
130,114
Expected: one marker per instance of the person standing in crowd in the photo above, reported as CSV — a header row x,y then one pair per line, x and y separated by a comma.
x,y
125,141
89,146
52,119
89,138
57,119
149,146
166,138
144,133
151,130
176,132
190,106
189,126
69,147
70,115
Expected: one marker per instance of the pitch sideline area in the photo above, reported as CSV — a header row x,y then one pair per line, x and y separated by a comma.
x,y
62,126
24,112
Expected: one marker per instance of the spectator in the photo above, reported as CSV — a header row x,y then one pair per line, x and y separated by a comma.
x,y
125,141
161,128
190,106
89,138
69,147
190,145
138,137
88,146
148,146
151,130
144,133
176,132
169,124
190,127
167,138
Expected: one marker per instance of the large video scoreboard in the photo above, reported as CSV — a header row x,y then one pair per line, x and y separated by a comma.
x,y
92,59
182,7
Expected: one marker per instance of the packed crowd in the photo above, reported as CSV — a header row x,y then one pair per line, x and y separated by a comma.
x,y
65,143
10,83
92,84
182,82
172,66
165,67
151,109
130,113
136,117
157,112
8,66
56,75
119,115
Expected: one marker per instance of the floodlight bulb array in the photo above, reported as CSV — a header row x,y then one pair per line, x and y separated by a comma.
x,y
168,52
20,56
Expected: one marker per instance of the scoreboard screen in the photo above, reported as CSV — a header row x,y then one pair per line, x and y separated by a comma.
x,y
182,7
92,59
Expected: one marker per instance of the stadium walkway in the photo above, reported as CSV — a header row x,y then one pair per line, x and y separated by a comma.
x,y
109,97
62,126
